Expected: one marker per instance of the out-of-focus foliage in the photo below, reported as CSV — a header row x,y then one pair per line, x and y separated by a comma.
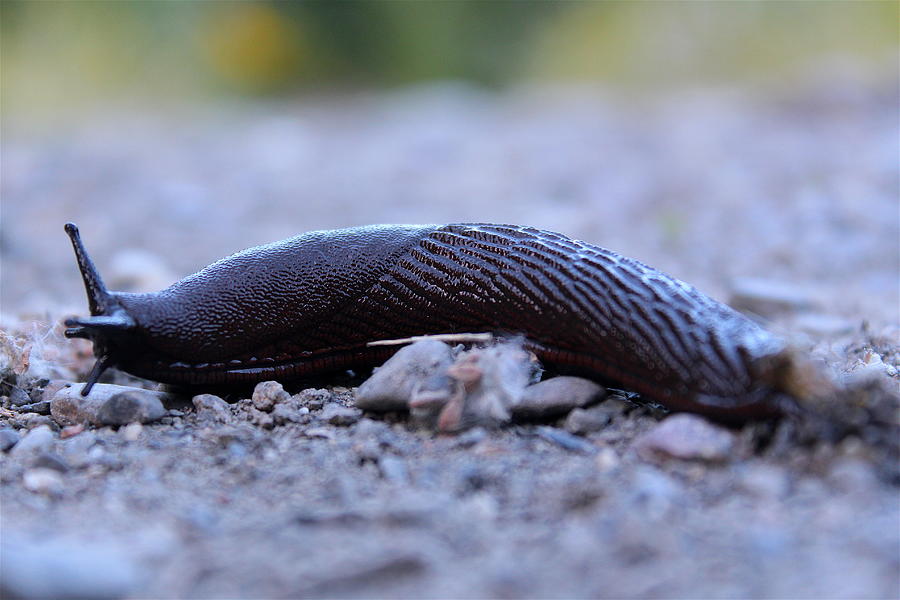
x,y
61,52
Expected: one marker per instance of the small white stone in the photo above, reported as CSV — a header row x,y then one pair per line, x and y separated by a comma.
x,y
43,481
132,432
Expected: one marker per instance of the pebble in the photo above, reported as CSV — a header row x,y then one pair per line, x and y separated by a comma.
x,y
131,407
319,432
768,298
566,440
290,413
79,569
8,438
267,394
118,404
71,431
211,407
261,419
51,460
340,415
554,397
36,441
391,386
41,408
42,480
18,396
131,432
32,420
583,421
314,399
687,437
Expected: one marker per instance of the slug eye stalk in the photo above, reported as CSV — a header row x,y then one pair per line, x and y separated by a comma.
x,y
108,322
97,294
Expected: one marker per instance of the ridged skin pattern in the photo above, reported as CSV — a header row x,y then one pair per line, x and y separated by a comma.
x,y
311,303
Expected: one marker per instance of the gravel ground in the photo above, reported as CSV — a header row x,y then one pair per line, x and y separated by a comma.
x,y
784,204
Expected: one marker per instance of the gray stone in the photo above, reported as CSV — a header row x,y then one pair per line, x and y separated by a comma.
x,y
555,397
261,418
69,407
290,412
8,438
18,396
687,437
566,440
41,408
582,421
131,407
340,415
313,399
50,460
36,441
211,407
267,394
391,386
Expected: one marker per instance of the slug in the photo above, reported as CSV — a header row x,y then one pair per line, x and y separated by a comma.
x,y
311,304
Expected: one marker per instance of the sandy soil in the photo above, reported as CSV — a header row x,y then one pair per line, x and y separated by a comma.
x,y
784,203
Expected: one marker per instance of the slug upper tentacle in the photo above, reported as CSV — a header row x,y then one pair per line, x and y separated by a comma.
x,y
314,302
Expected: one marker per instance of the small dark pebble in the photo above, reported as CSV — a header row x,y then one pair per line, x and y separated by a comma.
x,y
340,415
41,408
566,440
131,407
18,396
51,460
8,438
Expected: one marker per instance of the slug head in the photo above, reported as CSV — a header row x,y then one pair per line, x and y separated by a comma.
x,y
109,327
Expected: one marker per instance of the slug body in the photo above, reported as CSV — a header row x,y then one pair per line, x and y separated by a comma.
x,y
312,303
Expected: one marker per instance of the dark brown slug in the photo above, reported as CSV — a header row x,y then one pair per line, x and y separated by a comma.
x,y
311,304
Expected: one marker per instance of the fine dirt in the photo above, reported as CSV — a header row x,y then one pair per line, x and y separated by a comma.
x,y
783,203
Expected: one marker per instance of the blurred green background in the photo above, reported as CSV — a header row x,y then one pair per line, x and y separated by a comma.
x,y
59,54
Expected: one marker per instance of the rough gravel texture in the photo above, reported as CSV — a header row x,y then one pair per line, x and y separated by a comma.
x,y
298,493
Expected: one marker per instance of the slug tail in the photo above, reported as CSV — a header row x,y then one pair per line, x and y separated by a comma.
x,y
97,294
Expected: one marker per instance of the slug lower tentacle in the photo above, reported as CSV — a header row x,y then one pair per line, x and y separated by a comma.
x,y
312,303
